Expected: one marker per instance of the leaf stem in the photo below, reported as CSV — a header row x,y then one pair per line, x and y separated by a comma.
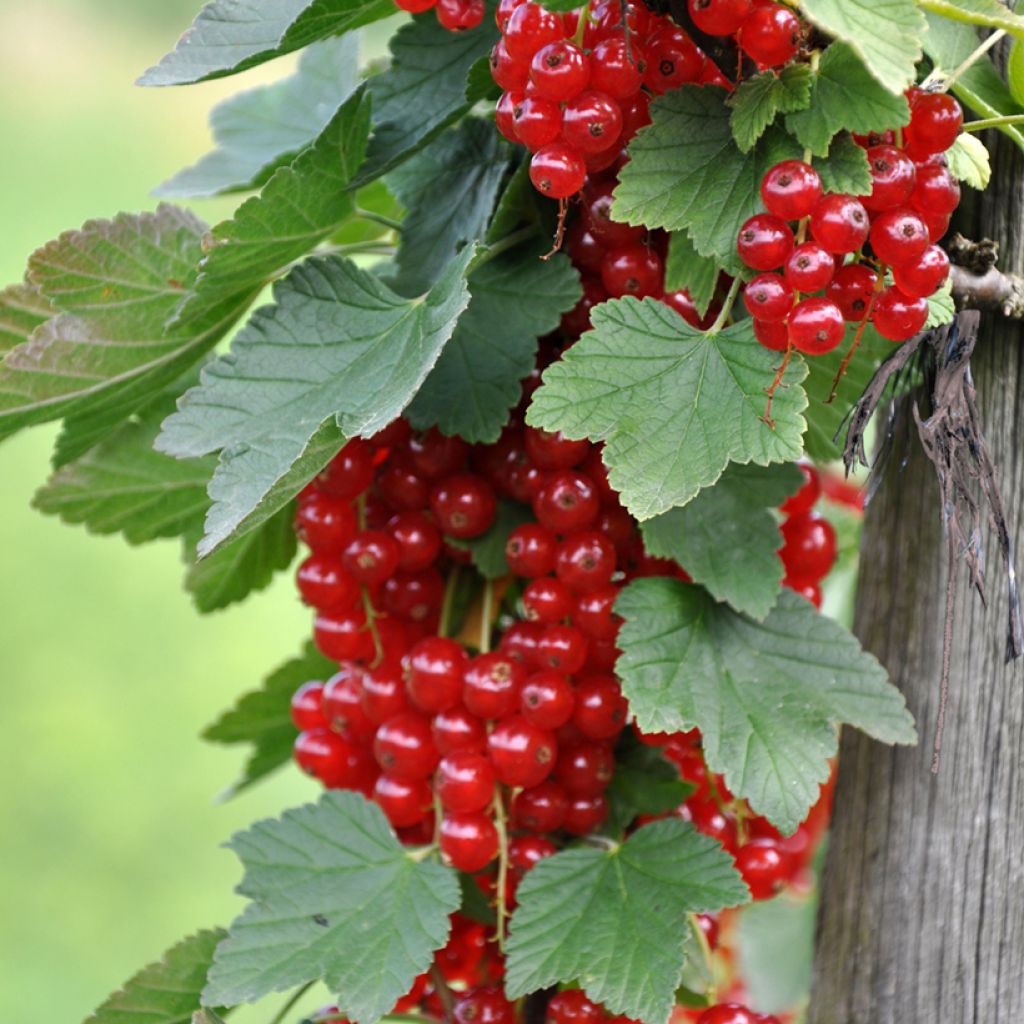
x,y
705,949
966,65
993,122
291,1003
486,617
581,25
734,290
444,993
379,218
502,830
371,621
448,604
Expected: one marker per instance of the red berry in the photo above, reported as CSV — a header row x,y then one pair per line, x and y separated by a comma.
x,y
935,122
342,704
547,600
413,596
770,35
567,503
486,1005
418,539
470,843
632,270
899,236
807,497
892,178
459,15
597,218
522,754
563,648
350,472
324,584
530,27
554,450
584,814
764,242
768,297
383,693
672,60
530,550
573,1007
371,556
335,760
557,171
728,1013
585,562
464,505
434,455
537,122
434,669
559,71
682,302
594,614
404,802
852,289
936,191
719,17
924,276
591,122
415,6
540,808
898,316
616,69
790,190
764,866
526,852
464,782
521,642
506,8
809,547
343,635
839,223
809,267
491,685
601,710
306,708
816,326
505,112
772,335
324,522
402,487
457,729
510,74
404,747
547,700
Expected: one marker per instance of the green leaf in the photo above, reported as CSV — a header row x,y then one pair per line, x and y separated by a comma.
x,y
165,992
124,486
259,130
247,564
981,87
846,167
424,90
845,96
758,100
516,298
1015,72
488,551
686,173
969,161
767,697
449,189
615,919
300,207
824,418
475,905
23,308
674,405
645,782
335,897
727,539
885,34
941,306
338,354
686,269
558,6
516,206
776,951
987,13
107,352
229,36
263,717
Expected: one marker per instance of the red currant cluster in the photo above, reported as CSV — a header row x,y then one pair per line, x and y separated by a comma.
x,y
827,280
453,15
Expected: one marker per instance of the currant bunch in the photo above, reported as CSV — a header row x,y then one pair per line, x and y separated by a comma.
x,y
453,15
835,269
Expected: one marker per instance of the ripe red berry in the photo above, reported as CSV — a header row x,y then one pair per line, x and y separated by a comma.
x,y
530,550
404,747
402,487
470,843
772,335
521,642
616,69
342,704
457,729
770,35
547,700
768,297
383,693
536,122
839,223
728,1013
791,189
898,316
350,472
413,596
526,852
459,15
598,221
434,669
936,191
306,707
324,522
573,1007
418,539
601,710
522,754
816,326
594,614
924,276
719,17
764,866
585,561
563,648
935,122
557,171
404,802
554,450
464,782
899,236
338,762
464,505
764,242
510,74
559,71
567,503
324,584
486,1005
343,635
530,27
585,814
672,60
809,267
491,685
434,455
547,600
809,547
807,497
591,122
632,270
851,289
892,178
505,114
540,808
371,556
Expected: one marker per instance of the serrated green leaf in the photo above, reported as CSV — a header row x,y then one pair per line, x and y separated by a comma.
x,y
727,539
758,100
337,354
767,697
685,268
674,405
107,352
449,189
424,90
516,298
517,204
124,486
824,418
645,782
845,96
686,173
261,129
969,161
488,551
885,34
165,992
846,167
23,308
949,44
300,207
263,717
246,565
987,13
480,84
335,897
229,36
776,951
615,920
941,306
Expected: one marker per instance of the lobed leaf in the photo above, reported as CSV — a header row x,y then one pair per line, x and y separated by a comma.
x,y
685,268
969,161
845,168
987,13
23,308
759,100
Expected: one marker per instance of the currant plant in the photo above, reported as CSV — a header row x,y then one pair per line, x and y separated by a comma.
x,y
567,304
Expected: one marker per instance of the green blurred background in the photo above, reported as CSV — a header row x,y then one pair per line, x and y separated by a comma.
x,y
109,833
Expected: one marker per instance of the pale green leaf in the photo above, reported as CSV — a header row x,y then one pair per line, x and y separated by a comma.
x,y
727,539
614,920
776,951
941,306
969,161
767,697
335,897
758,100
846,167
885,34
674,405
1015,71
23,308
685,268
986,13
